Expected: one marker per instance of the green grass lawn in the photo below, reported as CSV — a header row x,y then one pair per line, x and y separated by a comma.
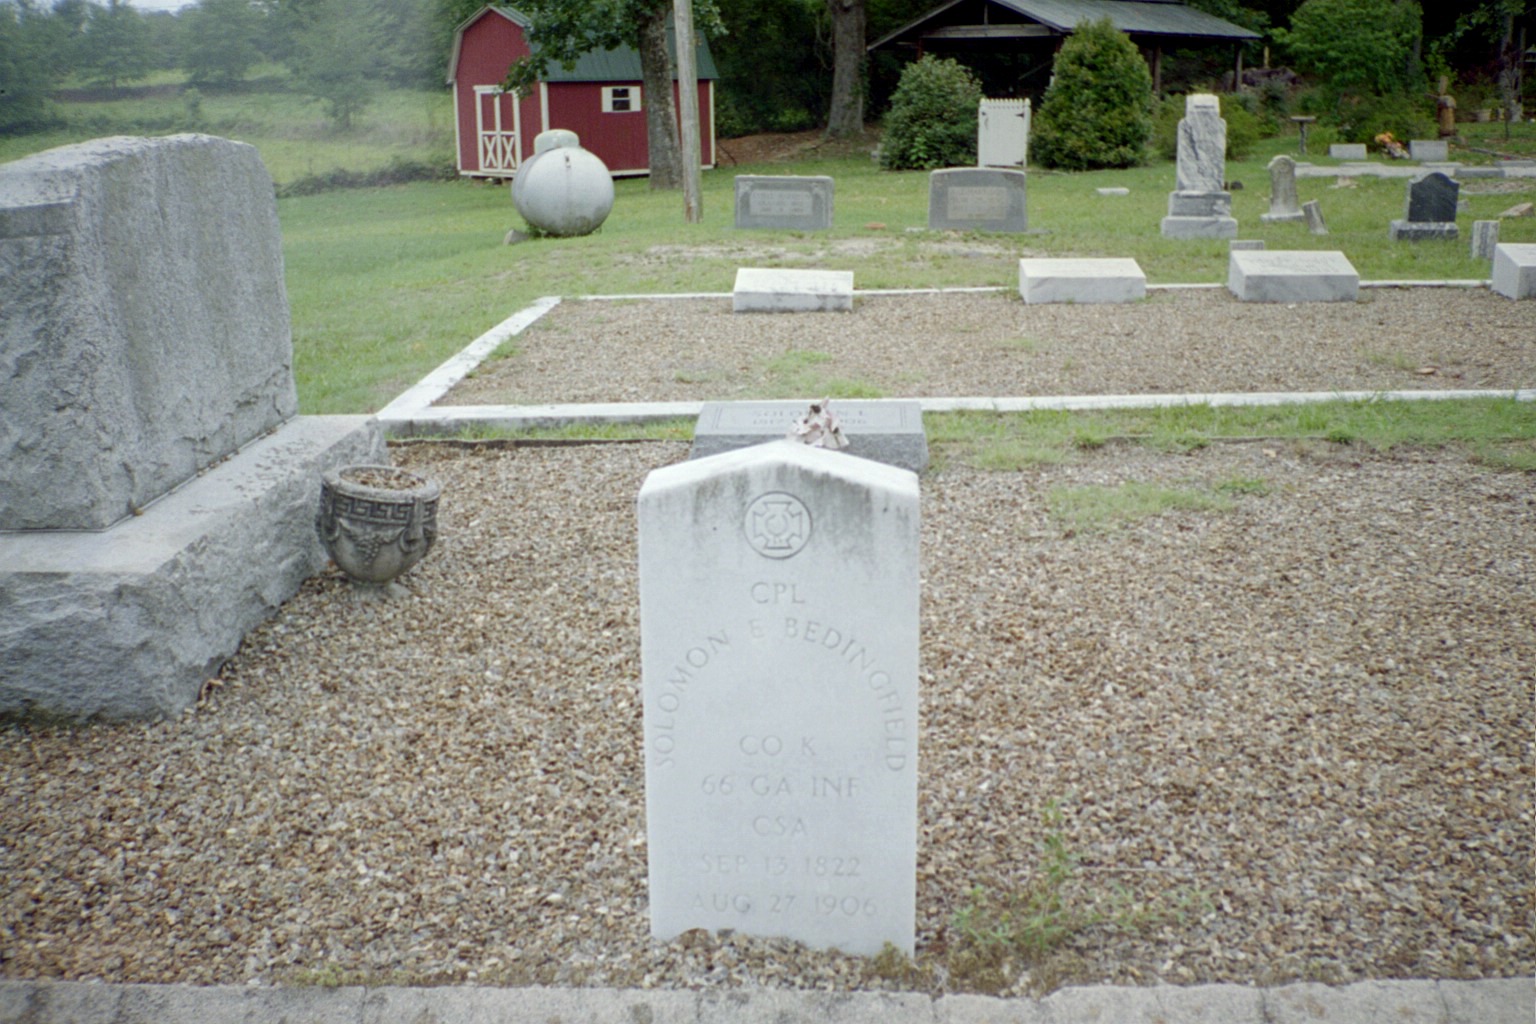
x,y
385,283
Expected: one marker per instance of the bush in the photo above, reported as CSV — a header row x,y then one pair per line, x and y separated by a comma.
x,y
1357,46
1242,128
1098,109
932,120
1404,117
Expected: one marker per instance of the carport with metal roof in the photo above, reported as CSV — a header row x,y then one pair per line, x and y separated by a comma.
x,y
1029,27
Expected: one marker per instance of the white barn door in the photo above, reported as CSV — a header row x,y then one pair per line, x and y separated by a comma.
x,y
1002,133
496,128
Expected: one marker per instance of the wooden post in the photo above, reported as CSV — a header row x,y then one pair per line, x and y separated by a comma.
x,y
688,110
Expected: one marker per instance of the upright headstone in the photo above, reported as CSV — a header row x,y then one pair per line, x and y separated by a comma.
x,y
157,492
779,646
784,201
1485,238
977,199
1430,211
1312,212
1200,206
1347,151
1284,203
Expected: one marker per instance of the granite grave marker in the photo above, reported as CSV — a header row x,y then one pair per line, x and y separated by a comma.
x,y
1284,203
977,199
1200,206
786,202
1430,211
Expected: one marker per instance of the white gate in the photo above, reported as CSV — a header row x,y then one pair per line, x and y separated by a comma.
x,y
1002,133
496,130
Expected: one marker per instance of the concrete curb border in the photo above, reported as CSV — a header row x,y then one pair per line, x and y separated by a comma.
x,y
1490,1001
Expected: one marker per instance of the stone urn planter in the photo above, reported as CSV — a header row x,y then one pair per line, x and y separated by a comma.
x,y
376,521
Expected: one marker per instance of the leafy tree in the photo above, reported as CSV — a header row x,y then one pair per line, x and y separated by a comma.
x,y
334,58
28,73
563,30
115,46
932,120
1358,47
219,40
772,75
1098,109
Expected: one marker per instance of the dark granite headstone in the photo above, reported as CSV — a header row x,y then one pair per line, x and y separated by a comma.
x,y
1432,198
1431,210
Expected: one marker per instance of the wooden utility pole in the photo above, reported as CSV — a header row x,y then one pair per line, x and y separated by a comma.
x,y
688,111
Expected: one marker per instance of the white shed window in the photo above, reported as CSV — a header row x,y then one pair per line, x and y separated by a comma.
x,y
621,99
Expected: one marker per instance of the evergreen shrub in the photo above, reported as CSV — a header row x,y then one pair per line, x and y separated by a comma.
x,y
932,120
1098,109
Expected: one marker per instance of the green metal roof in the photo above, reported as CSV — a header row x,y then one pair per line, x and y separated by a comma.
x,y
1137,17
1140,17
617,65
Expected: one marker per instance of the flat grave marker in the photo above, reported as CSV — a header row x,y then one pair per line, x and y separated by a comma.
x,y
1292,276
886,430
779,649
1113,279
774,290
1514,270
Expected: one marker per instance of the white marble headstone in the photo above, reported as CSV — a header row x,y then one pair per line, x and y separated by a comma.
x,y
779,625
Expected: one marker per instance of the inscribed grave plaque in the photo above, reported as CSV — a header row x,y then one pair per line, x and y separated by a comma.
x,y
779,646
788,202
977,199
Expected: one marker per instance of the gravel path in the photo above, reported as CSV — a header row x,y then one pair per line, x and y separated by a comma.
x,y
1291,738
991,344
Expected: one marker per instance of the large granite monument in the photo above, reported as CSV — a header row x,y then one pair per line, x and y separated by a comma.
x,y
157,490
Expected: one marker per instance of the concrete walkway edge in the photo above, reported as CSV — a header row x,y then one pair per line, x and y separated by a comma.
x,y
1495,1001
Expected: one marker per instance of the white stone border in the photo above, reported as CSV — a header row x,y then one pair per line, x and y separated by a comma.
x,y
413,414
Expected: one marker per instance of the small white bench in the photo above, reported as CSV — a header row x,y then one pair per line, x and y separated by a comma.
x,y
1297,275
792,291
1514,270
1087,280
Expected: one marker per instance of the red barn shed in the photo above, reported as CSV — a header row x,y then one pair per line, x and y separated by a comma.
x,y
600,99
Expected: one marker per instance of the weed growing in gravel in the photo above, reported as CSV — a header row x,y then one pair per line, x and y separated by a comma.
x,y
999,934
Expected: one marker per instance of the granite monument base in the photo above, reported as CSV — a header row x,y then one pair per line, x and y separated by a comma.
x,y
1424,231
131,621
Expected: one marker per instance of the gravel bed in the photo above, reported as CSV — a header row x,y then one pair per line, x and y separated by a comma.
x,y
1291,738
992,344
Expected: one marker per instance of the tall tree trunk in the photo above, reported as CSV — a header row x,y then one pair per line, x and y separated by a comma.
x,y
660,104
847,114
